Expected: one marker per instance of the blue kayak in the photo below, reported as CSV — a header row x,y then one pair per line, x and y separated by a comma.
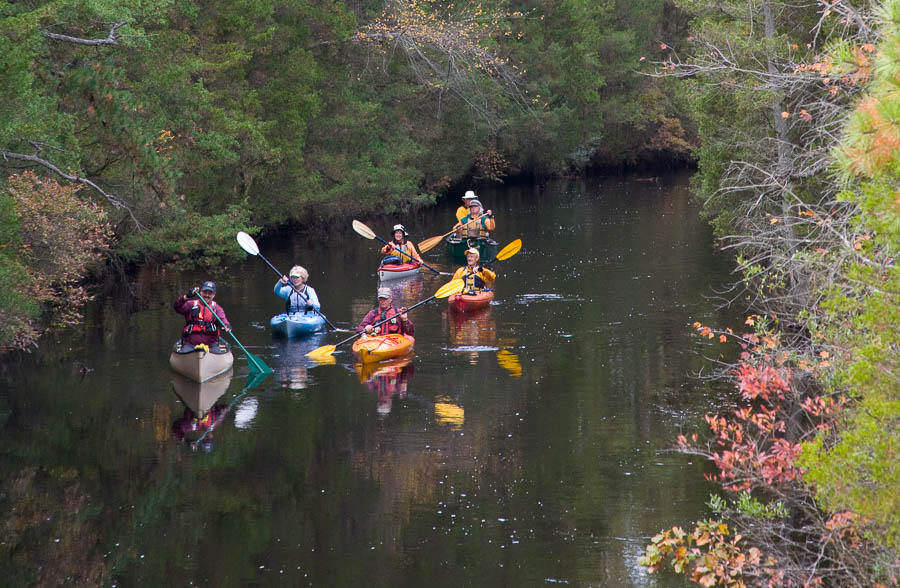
x,y
297,324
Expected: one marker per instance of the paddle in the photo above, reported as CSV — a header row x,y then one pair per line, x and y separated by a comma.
x,y
255,363
442,292
509,250
430,243
249,245
368,233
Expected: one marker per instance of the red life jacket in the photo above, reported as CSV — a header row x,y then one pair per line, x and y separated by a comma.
x,y
202,320
392,325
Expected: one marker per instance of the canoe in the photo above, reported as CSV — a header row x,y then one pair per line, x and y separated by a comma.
x,y
469,302
456,247
297,324
198,364
395,271
380,347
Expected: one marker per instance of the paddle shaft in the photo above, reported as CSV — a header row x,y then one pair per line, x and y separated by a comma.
x,y
252,360
381,322
299,293
436,272
439,238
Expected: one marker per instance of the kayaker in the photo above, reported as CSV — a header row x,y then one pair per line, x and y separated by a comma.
x,y
397,321
476,277
201,326
300,297
464,209
482,223
401,246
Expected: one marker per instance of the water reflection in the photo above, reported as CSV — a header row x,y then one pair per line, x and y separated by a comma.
x,y
201,413
471,332
290,363
386,380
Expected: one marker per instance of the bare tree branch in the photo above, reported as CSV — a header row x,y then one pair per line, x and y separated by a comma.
x,y
112,38
115,201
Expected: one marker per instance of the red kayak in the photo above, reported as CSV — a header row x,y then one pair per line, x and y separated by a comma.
x,y
469,302
395,271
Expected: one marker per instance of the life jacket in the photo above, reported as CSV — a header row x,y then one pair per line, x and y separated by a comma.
x,y
393,323
295,302
202,320
405,248
476,229
473,281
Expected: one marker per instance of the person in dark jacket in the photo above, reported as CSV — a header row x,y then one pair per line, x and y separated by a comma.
x,y
201,327
397,321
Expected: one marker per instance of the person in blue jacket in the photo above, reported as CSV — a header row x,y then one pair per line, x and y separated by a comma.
x,y
300,297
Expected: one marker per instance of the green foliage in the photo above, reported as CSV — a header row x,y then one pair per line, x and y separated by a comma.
x,y
17,309
749,506
190,240
854,467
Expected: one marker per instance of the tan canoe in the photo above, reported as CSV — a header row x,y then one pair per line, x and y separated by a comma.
x,y
199,364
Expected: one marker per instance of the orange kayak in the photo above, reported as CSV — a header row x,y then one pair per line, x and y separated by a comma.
x,y
467,302
379,347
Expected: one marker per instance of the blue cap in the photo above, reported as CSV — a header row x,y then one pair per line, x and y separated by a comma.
x,y
208,285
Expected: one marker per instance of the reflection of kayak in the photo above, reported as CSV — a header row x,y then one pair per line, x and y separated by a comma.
x,y
395,271
467,302
297,324
393,367
201,397
379,347
198,364
456,247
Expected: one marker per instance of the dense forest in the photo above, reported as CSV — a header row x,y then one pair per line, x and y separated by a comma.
x,y
133,133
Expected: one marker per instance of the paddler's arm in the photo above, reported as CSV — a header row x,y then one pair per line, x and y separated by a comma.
x,y
408,327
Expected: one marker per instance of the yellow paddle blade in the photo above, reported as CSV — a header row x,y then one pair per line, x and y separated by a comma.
x,y
451,287
510,362
322,353
363,230
430,243
509,250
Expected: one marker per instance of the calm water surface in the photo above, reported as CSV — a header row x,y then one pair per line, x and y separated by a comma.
x,y
524,446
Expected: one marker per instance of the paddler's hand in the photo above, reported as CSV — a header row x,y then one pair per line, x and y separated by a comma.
x,y
489,213
403,316
457,227
283,280
192,292
368,330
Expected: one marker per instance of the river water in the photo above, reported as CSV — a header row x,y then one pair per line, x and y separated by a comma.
x,y
524,446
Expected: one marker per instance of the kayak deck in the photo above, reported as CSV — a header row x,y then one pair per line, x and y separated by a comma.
x,y
469,302
370,349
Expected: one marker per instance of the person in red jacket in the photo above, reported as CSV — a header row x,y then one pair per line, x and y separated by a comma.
x,y
397,321
201,327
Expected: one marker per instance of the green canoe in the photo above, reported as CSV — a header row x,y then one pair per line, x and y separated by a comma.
x,y
456,247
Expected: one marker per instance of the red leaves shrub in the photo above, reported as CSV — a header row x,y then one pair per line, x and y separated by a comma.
x,y
63,236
